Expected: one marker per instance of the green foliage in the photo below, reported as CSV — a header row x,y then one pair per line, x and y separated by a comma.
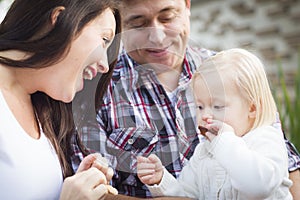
x,y
288,103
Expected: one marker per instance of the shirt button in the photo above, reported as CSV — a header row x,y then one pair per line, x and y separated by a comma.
x,y
161,96
130,141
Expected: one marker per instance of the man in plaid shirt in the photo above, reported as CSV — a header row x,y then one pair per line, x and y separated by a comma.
x,y
148,107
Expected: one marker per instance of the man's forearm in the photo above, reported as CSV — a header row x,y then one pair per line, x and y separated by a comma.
x,y
295,189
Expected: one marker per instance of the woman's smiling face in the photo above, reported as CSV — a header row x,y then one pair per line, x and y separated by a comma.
x,y
87,56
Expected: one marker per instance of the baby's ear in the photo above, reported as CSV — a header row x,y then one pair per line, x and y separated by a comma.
x,y
55,13
252,111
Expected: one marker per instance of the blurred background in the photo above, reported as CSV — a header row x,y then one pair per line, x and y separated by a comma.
x,y
268,28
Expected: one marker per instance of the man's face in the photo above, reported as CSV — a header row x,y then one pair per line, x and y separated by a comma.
x,y
156,32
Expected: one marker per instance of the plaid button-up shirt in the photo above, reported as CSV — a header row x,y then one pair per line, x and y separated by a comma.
x,y
139,117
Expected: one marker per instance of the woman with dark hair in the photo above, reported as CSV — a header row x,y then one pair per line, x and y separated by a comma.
x,y
47,49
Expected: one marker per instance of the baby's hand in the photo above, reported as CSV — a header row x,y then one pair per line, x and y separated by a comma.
x,y
216,127
213,127
149,170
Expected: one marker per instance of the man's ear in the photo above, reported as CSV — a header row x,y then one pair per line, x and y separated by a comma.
x,y
188,7
55,13
188,4
252,111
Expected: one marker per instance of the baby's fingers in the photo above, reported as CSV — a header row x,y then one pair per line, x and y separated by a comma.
x,y
142,159
145,168
214,126
146,179
217,126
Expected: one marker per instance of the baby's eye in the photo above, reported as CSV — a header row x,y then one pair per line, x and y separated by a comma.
x,y
218,107
200,107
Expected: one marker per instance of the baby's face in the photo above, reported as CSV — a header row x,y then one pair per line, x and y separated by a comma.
x,y
218,96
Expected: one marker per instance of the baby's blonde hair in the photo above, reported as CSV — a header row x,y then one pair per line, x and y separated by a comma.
x,y
248,73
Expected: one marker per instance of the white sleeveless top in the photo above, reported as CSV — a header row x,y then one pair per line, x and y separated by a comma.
x,y
29,168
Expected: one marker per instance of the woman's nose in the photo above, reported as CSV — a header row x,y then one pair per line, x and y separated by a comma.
x,y
103,65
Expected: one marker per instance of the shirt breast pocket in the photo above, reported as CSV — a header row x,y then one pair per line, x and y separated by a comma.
x,y
128,143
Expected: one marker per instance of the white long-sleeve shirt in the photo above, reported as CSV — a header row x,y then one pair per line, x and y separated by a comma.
x,y
254,166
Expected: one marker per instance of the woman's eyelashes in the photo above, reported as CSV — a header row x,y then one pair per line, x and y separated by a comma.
x,y
107,38
107,41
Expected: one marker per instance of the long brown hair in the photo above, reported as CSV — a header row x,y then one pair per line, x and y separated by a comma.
x,y
21,30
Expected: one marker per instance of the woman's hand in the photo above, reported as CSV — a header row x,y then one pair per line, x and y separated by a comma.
x,y
102,164
89,182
